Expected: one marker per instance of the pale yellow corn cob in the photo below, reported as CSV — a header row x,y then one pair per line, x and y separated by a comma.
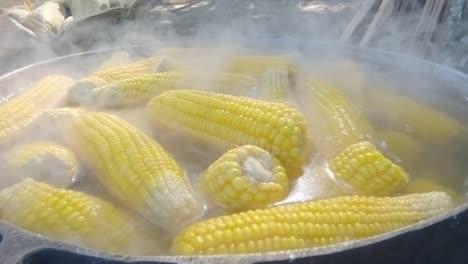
x,y
309,224
118,57
424,122
22,110
44,161
229,121
135,169
123,92
83,91
75,218
257,65
368,172
339,123
125,71
275,84
404,148
245,177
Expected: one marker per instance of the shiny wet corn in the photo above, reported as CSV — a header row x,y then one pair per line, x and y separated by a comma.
x,y
368,171
75,218
228,121
245,177
135,169
308,224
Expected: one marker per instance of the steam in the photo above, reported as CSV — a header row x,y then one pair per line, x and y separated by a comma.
x,y
230,26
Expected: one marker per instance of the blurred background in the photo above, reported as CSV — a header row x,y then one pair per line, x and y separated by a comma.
x,y
36,30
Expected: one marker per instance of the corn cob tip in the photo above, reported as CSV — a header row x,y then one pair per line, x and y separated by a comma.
x,y
44,161
368,171
245,177
81,93
308,224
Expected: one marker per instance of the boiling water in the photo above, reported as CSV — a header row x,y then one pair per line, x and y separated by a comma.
x,y
439,158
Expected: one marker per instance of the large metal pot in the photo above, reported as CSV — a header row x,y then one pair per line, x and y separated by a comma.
x,y
440,240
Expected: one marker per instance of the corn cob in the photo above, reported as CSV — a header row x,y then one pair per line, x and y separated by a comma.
x,y
404,148
247,176
123,92
19,112
74,217
118,57
339,122
368,171
229,121
424,122
135,169
275,84
309,224
125,71
46,162
257,65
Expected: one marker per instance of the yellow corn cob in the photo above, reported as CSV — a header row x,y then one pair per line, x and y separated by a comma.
x,y
44,161
425,123
75,218
118,57
340,123
275,84
401,147
20,111
125,71
229,121
257,65
122,92
244,177
368,171
135,169
309,224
